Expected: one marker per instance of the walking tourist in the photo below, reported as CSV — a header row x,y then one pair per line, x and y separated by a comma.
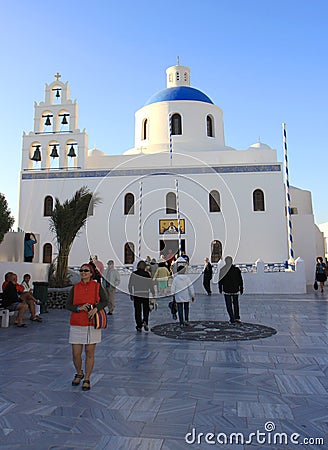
x,y
162,277
112,280
182,291
231,283
321,273
98,268
85,299
140,285
207,276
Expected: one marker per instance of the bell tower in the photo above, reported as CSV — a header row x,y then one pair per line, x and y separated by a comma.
x,y
56,142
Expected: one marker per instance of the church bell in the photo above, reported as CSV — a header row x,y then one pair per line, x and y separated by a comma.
x,y
64,121
37,154
54,153
47,122
71,152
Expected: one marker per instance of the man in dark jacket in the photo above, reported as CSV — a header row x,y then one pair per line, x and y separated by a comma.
x,y
207,276
140,284
231,283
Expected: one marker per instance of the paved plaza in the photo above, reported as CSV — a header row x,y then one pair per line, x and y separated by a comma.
x,y
149,391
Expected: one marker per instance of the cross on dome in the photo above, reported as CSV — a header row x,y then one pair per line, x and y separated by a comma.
x,y
57,76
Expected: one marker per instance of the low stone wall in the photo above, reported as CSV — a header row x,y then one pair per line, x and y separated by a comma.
x,y
57,298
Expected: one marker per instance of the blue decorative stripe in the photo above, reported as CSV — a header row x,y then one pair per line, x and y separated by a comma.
x,y
47,175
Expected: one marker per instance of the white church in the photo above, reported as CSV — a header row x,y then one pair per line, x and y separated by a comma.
x,y
181,188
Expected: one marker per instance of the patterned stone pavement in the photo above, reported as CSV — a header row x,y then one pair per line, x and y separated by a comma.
x,y
213,330
148,391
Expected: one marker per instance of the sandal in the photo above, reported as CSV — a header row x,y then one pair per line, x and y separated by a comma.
x,y
36,319
77,379
86,385
22,325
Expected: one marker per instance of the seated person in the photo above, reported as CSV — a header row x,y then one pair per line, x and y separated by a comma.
x,y
26,283
11,300
25,297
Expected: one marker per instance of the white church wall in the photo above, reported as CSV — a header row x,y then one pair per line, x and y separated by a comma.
x,y
193,125
305,242
236,226
323,227
301,199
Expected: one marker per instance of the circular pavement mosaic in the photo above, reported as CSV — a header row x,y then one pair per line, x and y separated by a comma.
x,y
210,330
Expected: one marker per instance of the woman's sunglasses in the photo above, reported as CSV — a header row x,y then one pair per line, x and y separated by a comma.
x,y
84,270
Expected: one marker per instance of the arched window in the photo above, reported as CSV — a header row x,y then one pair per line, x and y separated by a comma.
x,y
171,203
129,253
176,124
47,253
48,206
129,204
216,251
258,200
144,134
209,126
214,201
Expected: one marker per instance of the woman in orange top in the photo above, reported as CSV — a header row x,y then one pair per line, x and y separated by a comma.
x,y
84,300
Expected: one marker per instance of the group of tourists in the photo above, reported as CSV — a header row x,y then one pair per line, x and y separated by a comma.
x,y
89,296
19,297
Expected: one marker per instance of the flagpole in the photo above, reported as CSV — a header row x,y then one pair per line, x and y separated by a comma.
x,y
291,261
178,215
140,212
170,139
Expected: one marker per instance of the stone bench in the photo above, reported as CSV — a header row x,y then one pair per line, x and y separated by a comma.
x,y
5,314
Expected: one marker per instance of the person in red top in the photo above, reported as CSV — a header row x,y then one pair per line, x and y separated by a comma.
x,y
84,300
11,300
25,297
98,267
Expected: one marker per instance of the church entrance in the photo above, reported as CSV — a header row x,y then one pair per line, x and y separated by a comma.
x,y
167,246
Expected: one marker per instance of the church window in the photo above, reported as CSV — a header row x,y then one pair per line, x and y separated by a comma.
x,y
144,130
216,251
185,76
129,204
214,201
178,76
209,126
176,124
129,253
48,206
171,203
47,253
258,200
293,210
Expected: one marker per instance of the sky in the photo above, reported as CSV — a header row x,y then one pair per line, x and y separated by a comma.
x,y
263,62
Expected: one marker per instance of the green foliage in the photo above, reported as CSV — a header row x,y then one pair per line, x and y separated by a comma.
x,y
6,219
67,221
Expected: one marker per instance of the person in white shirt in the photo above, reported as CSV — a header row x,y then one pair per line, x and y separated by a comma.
x,y
182,291
112,280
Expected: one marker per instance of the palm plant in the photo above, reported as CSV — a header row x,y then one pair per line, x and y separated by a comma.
x,y
67,221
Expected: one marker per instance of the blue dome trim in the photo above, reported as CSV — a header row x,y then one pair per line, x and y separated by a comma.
x,y
179,93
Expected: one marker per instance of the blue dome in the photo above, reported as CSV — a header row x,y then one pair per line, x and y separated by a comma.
x,y
179,93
